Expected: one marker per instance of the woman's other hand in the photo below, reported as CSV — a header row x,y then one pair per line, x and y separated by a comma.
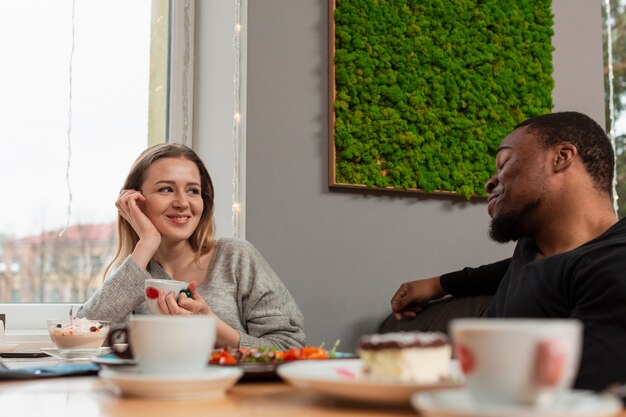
x,y
412,295
185,305
226,335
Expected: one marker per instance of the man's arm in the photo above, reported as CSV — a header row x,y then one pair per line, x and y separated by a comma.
x,y
483,280
410,298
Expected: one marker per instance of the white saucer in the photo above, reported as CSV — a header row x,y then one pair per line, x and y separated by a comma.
x,y
458,403
76,354
7,347
213,382
340,378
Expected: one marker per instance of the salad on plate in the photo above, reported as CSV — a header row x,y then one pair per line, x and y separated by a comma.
x,y
264,360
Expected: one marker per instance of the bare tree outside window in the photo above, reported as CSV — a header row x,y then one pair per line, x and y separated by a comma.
x,y
616,23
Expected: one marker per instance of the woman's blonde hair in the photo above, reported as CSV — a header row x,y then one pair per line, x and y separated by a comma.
x,y
202,238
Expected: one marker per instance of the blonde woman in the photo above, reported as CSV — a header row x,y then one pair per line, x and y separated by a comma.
x,y
166,231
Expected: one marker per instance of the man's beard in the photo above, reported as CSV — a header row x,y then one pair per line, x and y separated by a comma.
x,y
514,225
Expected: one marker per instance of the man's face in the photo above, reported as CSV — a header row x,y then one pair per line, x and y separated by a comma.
x,y
518,189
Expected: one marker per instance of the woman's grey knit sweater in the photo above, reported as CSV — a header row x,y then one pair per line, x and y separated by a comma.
x,y
240,287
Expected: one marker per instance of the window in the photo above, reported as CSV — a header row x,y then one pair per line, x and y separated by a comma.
x,y
615,88
85,89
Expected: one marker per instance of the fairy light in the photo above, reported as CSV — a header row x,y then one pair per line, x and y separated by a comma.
x,y
236,207
609,43
186,57
69,126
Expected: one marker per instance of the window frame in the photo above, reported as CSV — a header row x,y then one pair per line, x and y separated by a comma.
x,y
181,72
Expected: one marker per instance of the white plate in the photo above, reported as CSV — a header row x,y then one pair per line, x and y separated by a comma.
x,y
76,354
7,347
213,382
339,378
458,403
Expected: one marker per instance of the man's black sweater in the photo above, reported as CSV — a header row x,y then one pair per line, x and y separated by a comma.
x,y
587,283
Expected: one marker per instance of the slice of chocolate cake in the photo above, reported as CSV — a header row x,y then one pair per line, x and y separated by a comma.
x,y
417,357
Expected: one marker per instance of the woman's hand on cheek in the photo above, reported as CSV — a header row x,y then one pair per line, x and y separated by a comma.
x,y
129,207
195,304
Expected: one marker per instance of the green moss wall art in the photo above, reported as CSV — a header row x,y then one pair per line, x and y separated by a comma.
x,y
423,91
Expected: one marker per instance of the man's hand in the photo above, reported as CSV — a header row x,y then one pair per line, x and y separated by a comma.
x,y
412,295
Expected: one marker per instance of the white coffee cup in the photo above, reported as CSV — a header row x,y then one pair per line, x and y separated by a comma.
x,y
167,344
165,285
517,361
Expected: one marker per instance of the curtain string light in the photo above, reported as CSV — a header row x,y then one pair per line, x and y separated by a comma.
x,y
69,126
611,132
236,207
186,74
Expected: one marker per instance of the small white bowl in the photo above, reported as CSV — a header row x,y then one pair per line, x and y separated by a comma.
x,y
78,333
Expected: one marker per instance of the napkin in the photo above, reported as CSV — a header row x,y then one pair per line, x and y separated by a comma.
x,y
49,371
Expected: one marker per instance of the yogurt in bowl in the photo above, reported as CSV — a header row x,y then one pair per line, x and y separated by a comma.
x,y
78,333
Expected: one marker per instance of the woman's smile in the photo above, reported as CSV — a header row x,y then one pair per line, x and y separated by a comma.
x,y
177,219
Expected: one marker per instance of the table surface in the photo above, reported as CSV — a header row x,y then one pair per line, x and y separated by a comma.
x,y
89,396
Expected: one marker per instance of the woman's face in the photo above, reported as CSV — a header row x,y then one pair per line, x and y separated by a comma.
x,y
173,197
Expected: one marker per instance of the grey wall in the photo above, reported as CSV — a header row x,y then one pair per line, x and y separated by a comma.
x,y
343,254
577,57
